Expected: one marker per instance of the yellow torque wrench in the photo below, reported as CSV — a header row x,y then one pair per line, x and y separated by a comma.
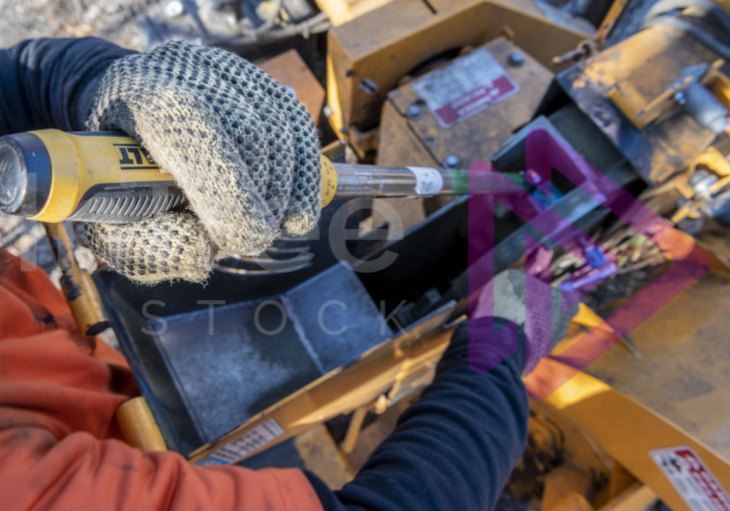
x,y
51,176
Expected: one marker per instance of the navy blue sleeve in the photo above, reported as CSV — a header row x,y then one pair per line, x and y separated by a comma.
x,y
51,83
453,450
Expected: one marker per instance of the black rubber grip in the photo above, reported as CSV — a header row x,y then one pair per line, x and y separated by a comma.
x,y
123,203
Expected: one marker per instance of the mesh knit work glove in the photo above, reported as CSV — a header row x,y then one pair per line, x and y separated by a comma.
x,y
504,297
243,150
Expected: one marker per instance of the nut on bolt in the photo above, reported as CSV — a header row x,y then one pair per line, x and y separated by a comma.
x,y
452,162
516,59
414,112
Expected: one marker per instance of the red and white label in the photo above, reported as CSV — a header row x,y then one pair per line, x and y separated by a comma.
x,y
689,475
242,446
465,87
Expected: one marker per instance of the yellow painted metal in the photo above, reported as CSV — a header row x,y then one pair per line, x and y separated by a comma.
x,y
353,430
664,46
138,426
135,419
677,394
713,160
670,146
344,389
627,430
642,112
400,144
333,101
342,11
568,488
609,21
371,53
637,498
76,284
636,108
320,455
721,89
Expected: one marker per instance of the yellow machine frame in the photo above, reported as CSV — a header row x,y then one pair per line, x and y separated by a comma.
x,y
370,54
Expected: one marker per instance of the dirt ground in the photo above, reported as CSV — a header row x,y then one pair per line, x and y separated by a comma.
x,y
110,19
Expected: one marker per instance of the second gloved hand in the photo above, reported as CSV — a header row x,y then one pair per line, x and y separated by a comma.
x,y
505,297
242,148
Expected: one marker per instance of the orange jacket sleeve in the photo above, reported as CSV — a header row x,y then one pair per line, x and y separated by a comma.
x,y
58,439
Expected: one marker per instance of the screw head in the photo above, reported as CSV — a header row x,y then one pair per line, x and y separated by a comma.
x,y
414,112
680,98
452,161
516,59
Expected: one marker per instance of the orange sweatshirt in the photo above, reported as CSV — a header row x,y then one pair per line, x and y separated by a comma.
x,y
59,446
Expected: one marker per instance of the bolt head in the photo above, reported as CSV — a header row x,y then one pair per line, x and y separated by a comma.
x,y
516,59
414,112
452,161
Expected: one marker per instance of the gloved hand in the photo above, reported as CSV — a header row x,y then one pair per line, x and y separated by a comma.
x,y
505,297
244,151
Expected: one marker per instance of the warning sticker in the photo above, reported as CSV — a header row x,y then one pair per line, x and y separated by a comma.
x,y
692,479
245,444
465,87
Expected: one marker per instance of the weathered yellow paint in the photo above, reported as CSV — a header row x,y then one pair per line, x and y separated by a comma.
x,y
77,286
344,389
405,142
386,43
138,426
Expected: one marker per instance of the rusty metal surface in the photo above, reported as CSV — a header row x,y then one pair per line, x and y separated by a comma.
x,y
650,61
368,55
477,137
291,71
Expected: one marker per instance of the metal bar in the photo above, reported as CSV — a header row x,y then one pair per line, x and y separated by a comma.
x,y
380,181
353,430
139,428
76,284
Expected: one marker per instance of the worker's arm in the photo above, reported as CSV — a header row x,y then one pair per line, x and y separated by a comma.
x,y
51,83
453,450
58,395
